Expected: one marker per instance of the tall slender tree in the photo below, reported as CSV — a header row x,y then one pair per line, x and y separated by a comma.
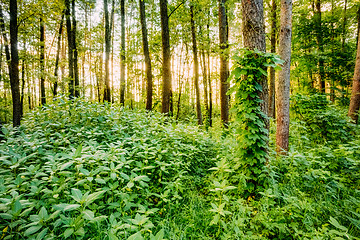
x,y
14,64
42,62
283,84
273,50
107,94
196,67
319,39
57,58
70,49
122,54
75,50
224,63
149,81
166,61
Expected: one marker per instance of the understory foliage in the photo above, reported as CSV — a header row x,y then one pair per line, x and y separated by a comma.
x,y
78,170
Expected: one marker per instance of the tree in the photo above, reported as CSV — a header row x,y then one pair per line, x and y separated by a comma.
x,y
122,54
70,49
149,81
319,39
75,51
224,63
58,55
283,84
196,67
355,92
107,94
254,38
42,61
14,64
166,61
273,50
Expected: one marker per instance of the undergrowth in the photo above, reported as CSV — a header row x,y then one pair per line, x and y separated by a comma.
x,y
78,170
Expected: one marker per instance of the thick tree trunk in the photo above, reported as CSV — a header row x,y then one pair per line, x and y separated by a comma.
x,y
42,62
355,92
75,51
23,82
149,81
283,85
196,67
107,96
254,38
70,49
166,63
56,74
14,64
224,63
272,70
122,54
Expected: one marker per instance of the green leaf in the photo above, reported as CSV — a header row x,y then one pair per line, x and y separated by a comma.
x,y
88,215
42,234
72,207
78,151
92,197
68,232
31,230
76,194
66,165
43,214
336,224
136,236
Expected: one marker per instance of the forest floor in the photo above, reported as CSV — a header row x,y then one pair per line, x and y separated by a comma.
x,y
79,170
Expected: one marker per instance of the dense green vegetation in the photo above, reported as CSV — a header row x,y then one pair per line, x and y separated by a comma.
x,y
80,170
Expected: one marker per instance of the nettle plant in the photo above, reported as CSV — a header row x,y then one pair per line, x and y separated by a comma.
x,y
252,134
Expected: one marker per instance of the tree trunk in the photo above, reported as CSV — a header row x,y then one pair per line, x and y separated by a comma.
x,y
224,63
14,64
122,54
107,96
23,81
254,38
283,85
58,56
42,62
355,92
196,67
149,81
75,51
6,42
70,49
272,70
166,63
343,35
319,39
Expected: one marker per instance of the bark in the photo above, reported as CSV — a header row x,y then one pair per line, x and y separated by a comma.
x,y
58,56
343,35
42,62
272,70
205,83
122,54
6,42
254,38
23,82
75,51
355,92
149,81
283,85
70,49
319,39
107,96
166,63
196,67
209,71
14,64
224,63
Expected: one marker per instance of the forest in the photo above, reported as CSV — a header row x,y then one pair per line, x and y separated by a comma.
x,y
179,119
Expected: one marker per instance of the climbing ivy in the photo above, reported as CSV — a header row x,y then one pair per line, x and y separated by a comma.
x,y
252,134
